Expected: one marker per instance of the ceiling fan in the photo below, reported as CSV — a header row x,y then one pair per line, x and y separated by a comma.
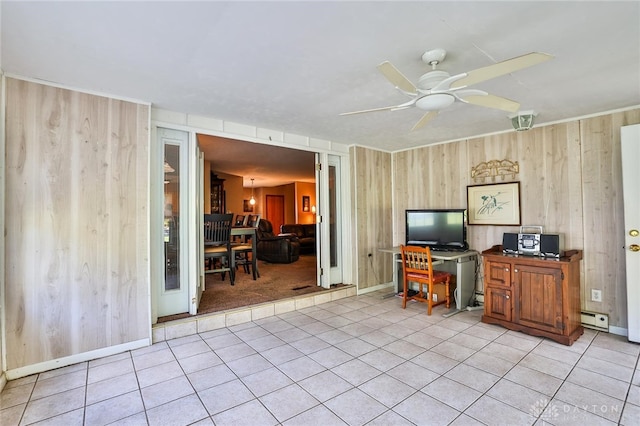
x,y
437,89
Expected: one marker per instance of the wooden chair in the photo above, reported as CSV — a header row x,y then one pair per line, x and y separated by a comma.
x,y
243,249
417,267
240,220
243,252
253,220
217,244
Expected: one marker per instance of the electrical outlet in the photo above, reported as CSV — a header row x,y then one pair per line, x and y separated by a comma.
x,y
596,295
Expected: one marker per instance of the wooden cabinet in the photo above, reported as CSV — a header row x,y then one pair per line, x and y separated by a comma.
x,y
534,295
217,195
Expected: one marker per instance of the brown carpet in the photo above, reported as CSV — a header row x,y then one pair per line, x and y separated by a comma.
x,y
277,281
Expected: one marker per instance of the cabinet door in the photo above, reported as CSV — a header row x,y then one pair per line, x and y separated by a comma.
x,y
497,302
538,295
497,274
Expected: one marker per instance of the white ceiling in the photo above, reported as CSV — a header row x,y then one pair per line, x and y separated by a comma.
x,y
295,66
267,165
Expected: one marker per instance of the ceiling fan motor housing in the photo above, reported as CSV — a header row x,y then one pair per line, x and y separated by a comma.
x,y
431,79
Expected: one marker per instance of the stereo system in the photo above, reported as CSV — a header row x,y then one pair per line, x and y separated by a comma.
x,y
533,244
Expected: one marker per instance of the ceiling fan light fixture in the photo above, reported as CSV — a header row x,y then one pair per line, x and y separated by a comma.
x,y
435,102
523,120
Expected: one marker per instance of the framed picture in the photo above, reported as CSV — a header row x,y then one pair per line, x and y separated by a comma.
x,y
494,204
306,203
246,206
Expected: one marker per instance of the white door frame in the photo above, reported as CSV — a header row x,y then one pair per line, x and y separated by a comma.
x,y
179,121
195,248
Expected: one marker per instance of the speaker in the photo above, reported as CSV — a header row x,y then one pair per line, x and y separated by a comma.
x,y
551,245
509,243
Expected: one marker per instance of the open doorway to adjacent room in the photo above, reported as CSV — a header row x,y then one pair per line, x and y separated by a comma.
x,y
282,184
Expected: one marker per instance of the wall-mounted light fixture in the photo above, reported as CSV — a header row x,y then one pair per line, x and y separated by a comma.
x,y
522,120
252,201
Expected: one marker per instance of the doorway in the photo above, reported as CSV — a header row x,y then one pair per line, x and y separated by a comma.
x,y
250,155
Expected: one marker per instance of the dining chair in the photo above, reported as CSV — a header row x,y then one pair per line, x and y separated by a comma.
x,y
240,220
253,220
217,245
243,255
243,250
417,267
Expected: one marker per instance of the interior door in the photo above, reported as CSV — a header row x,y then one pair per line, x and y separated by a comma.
x,y
199,219
274,211
173,295
630,149
335,227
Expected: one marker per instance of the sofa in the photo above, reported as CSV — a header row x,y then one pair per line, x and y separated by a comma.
x,y
274,248
306,234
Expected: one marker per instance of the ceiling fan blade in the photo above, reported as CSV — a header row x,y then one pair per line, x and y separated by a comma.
x,y
501,68
424,120
492,101
389,108
405,105
396,77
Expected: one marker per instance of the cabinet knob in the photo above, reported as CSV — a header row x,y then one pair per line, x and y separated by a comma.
x,y
634,233
507,296
506,269
634,247
515,270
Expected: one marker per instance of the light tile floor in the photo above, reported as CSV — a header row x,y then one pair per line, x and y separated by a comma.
x,y
355,361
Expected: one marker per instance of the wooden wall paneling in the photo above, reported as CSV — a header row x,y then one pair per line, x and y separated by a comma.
x,y
532,160
130,153
603,216
570,183
412,186
494,147
77,221
568,202
373,216
448,176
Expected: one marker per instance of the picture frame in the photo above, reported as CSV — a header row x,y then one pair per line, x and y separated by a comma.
x,y
494,204
247,207
306,203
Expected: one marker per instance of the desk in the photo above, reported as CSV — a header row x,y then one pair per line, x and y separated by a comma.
x,y
460,264
244,232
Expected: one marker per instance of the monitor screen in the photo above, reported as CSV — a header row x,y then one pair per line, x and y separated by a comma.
x,y
438,229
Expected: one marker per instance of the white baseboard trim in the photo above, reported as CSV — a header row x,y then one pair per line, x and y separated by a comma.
x,y
375,288
618,330
28,370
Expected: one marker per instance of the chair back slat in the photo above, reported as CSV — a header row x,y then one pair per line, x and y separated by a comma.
x,y
217,229
416,259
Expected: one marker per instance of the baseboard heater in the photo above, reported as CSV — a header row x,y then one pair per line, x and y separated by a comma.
x,y
595,320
